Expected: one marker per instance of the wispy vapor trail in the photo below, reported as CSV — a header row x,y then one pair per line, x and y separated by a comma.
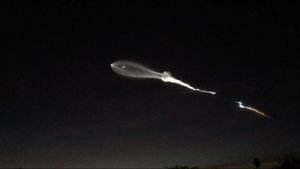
x,y
173,80
135,70
252,109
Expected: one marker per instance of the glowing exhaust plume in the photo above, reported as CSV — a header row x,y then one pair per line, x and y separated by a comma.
x,y
135,70
252,109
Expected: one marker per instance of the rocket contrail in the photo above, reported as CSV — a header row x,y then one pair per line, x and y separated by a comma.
x,y
135,70
166,77
252,109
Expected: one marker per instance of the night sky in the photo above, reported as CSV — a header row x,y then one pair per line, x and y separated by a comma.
x,y
61,105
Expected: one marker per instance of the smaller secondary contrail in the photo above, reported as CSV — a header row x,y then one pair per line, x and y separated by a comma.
x,y
135,70
252,109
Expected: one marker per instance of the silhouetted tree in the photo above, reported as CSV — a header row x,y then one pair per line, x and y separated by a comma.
x,y
290,161
182,167
256,163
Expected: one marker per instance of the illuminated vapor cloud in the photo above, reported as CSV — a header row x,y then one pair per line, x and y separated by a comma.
x,y
252,109
135,70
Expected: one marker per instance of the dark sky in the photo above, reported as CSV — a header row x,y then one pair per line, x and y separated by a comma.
x,y
61,105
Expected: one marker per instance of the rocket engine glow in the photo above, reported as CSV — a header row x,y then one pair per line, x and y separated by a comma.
x,y
135,70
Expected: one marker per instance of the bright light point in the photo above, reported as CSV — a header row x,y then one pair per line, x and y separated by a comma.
x,y
123,67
